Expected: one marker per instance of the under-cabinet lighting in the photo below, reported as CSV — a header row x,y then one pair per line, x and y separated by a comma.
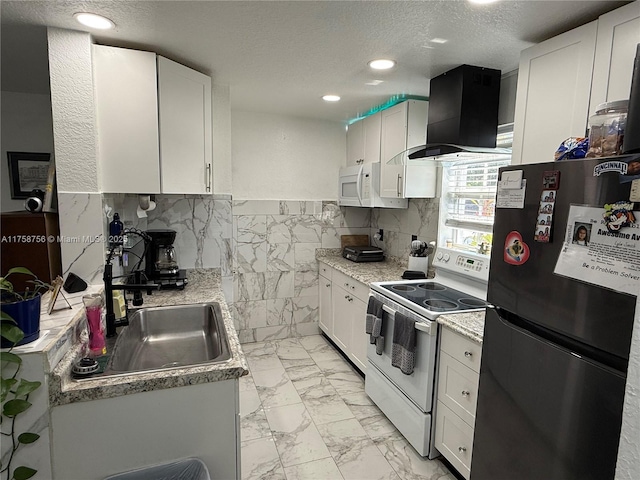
x,y
92,20
482,2
331,98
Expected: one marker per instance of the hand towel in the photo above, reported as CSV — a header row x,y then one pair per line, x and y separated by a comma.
x,y
373,324
403,347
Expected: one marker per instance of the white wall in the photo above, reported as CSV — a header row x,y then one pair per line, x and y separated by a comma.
x,y
285,158
27,126
628,465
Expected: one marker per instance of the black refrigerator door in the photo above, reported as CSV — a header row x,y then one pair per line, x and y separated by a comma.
x,y
595,316
543,412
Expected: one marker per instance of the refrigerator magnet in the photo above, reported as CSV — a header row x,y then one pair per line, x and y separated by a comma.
x,y
618,215
551,180
516,251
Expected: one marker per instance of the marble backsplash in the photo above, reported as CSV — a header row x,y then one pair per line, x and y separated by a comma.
x,y
266,249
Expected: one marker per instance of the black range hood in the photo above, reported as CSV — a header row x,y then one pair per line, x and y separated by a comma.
x,y
463,113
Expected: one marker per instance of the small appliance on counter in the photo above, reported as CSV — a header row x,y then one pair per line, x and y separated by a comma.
x,y
363,253
161,266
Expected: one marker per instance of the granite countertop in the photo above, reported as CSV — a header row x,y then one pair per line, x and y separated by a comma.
x,y
469,324
204,286
364,272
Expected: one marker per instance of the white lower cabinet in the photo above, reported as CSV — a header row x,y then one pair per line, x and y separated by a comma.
x,y
326,306
458,377
343,307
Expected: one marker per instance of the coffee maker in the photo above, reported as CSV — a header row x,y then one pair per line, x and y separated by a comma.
x,y
160,260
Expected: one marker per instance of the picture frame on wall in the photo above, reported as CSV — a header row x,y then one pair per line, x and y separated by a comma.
x,y
28,171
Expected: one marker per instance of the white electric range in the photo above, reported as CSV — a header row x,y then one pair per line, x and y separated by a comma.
x,y
459,285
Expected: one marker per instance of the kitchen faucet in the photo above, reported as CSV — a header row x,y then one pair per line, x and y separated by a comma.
x,y
138,287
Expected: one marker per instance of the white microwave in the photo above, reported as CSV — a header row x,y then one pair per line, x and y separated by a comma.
x,y
359,186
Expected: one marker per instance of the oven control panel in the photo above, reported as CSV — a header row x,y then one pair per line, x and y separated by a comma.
x,y
462,263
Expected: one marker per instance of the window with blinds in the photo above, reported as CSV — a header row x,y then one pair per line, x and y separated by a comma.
x,y
467,204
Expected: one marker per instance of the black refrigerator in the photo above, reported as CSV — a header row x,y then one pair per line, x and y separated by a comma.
x,y
556,344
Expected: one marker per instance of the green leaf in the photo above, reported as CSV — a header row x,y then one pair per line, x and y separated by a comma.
x,y
23,473
15,407
28,437
6,385
10,357
11,333
26,387
5,317
23,270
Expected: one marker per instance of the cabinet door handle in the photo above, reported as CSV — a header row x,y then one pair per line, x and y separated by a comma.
x,y
465,393
398,185
352,287
462,449
208,179
350,299
346,284
328,285
468,354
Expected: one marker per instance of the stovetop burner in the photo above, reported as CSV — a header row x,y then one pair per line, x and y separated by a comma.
x,y
434,296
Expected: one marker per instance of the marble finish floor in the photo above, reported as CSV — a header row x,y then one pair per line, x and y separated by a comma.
x,y
305,415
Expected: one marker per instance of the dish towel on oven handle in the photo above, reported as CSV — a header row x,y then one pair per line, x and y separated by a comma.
x,y
373,324
403,348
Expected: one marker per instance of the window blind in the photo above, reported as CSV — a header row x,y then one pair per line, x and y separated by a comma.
x,y
469,191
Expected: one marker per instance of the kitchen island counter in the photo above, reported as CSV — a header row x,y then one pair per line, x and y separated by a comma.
x,y
204,286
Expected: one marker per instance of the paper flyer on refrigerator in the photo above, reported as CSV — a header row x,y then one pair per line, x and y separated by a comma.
x,y
602,250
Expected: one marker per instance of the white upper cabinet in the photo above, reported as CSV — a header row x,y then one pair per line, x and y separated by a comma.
x,y
617,40
154,123
363,141
561,81
184,98
552,102
403,126
127,118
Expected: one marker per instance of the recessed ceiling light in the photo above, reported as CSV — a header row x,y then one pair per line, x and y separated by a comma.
x,y
374,82
438,40
382,64
331,98
92,20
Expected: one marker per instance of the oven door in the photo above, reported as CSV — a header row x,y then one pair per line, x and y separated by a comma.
x,y
418,386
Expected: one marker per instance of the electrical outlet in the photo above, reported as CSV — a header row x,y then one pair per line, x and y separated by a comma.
x,y
414,237
381,233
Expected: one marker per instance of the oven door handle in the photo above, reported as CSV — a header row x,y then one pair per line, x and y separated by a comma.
x,y
423,327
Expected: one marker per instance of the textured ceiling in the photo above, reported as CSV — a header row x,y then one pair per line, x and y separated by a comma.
x,y
281,57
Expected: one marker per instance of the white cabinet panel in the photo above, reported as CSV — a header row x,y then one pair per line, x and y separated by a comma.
x,y
403,126
184,98
554,83
359,339
363,141
326,308
127,119
355,143
618,36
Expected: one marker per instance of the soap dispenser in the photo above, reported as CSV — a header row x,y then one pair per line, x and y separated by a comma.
x,y
115,230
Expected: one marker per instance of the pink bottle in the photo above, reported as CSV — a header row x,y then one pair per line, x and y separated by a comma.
x,y
93,310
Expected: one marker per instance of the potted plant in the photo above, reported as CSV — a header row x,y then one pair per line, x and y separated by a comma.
x,y
14,395
22,307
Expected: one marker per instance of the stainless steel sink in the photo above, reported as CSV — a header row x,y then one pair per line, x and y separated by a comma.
x,y
158,338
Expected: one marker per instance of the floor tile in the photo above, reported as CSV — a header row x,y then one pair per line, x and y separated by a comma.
x,y
260,460
354,452
411,466
324,469
305,415
295,434
275,388
253,421
322,401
